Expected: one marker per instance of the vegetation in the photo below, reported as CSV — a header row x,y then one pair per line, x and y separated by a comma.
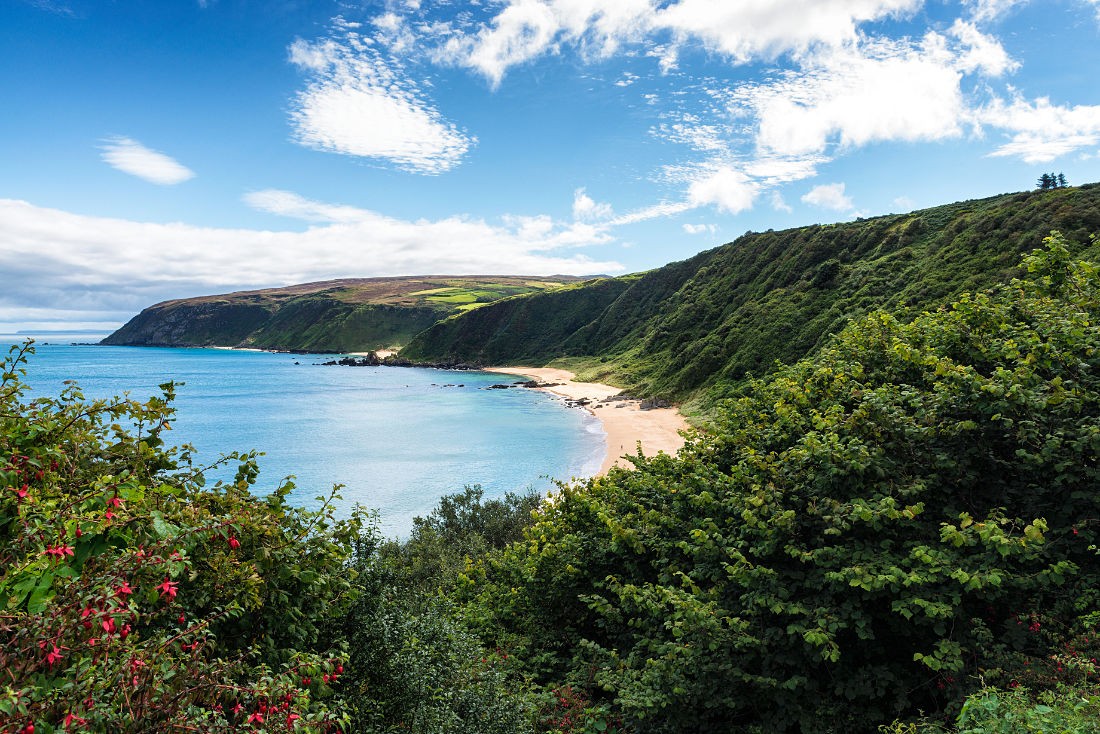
x,y
332,316
897,533
864,535
697,329
134,599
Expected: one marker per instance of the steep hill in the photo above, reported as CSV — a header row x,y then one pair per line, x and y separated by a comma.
x,y
698,327
336,315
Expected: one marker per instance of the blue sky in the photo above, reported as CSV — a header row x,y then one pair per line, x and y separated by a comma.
x,y
155,150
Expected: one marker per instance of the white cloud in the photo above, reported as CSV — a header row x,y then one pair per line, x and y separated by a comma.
x,y
904,203
829,196
991,10
130,156
1042,131
881,91
725,188
752,29
779,204
585,208
524,30
980,52
359,104
113,266
701,228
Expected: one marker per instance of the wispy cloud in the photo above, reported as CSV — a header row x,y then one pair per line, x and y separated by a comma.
x,y
130,156
1041,130
359,103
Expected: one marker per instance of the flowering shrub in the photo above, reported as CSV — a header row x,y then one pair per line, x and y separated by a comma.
x,y
132,598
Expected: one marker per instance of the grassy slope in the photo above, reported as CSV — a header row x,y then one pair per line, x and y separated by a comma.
x,y
695,328
338,315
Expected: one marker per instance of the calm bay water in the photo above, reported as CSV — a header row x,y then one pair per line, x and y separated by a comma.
x,y
397,438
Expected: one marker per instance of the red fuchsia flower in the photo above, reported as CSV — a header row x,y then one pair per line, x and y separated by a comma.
x,y
21,492
290,719
115,501
124,632
340,669
306,681
182,618
73,720
168,588
234,543
236,708
59,551
124,589
53,655
109,515
109,625
256,718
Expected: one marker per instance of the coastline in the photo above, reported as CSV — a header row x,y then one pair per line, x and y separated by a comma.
x,y
624,421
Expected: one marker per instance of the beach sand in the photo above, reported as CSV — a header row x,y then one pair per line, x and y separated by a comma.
x,y
624,422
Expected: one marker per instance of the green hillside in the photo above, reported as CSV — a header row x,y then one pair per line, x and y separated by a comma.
x,y
697,327
334,316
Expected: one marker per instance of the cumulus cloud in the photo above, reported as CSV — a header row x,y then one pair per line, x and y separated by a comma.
x,y
701,228
130,156
725,188
586,208
359,104
117,266
829,196
767,28
527,29
882,91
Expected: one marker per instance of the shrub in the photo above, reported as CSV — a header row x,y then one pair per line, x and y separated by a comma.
x,y
135,599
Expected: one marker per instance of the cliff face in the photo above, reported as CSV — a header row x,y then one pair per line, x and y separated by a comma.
x,y
182,324
332,316
708,322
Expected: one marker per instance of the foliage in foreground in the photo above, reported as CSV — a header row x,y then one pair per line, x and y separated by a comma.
x,y
858,538
134,599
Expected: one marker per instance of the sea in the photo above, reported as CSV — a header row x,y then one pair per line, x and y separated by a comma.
x,y
396,438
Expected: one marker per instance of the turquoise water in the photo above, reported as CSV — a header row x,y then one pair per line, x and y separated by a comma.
x,y
397,438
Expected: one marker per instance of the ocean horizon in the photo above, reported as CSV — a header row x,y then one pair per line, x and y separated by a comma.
x,y
396,438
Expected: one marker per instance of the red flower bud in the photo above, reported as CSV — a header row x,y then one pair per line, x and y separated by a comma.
x,y
234,543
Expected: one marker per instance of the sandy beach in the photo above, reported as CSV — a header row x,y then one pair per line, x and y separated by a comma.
x,y
624,422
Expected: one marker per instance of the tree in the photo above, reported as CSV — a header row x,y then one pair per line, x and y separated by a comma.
x,y
1046,182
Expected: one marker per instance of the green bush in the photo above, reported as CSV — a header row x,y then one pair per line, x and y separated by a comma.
x,y
855,540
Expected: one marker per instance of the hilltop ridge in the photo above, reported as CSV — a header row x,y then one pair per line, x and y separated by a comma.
x,y
348,314
695,329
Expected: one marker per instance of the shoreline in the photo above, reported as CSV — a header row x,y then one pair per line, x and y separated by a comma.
x,y
624,422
